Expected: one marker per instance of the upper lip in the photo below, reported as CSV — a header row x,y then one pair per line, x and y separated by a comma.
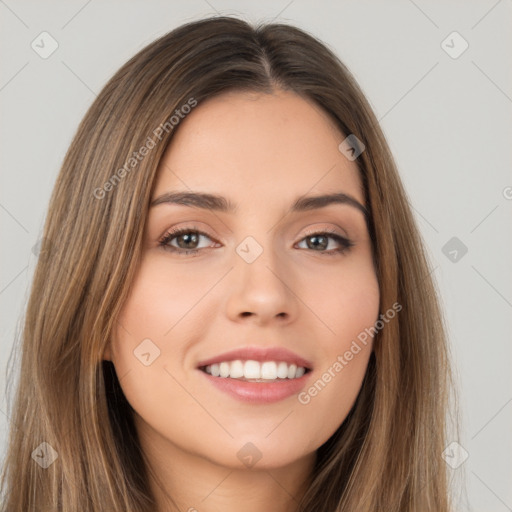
x,y
261,354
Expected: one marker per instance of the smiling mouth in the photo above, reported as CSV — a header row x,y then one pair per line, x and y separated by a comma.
x,y
255,371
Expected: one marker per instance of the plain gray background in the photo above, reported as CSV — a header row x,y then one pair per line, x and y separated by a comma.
x,y
447,119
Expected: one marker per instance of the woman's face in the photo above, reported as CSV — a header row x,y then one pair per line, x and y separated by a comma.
x,y
267,283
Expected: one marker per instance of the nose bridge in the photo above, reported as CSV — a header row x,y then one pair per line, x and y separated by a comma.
x,y
260,279
257,260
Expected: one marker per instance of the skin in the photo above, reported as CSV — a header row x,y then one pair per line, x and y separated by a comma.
x,y
262,152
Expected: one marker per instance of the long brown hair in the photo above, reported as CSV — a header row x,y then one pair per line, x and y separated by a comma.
x,y
386,455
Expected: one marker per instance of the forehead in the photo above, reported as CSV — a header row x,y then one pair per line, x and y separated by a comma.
x,y
256,148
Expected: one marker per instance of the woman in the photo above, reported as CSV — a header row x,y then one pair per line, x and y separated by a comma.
x,y
232,306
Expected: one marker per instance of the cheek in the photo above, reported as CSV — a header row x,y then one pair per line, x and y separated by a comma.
x,y
346,299
348,305
149,347
160,298
159,320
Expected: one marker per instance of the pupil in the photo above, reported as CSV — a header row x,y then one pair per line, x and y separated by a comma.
x,y
188,237
316,238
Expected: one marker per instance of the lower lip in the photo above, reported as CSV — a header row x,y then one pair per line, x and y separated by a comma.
x,y
258,392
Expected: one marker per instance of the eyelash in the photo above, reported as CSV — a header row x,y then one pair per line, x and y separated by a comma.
x,y
345,243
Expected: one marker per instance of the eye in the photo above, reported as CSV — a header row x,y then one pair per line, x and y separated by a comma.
x,y
186,238
320,240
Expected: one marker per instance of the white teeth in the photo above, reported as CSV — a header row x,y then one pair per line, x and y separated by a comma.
x,y
300,372
252,370
237,369
282,370
291,371
268,370
224,369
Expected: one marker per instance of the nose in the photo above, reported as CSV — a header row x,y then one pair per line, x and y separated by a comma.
x,y
261,290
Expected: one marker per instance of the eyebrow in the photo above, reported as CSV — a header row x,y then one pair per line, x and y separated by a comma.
x,y
222,204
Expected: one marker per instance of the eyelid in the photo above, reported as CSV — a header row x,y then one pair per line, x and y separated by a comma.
x,y
343,239
176,231
333,231
309,231
164,242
